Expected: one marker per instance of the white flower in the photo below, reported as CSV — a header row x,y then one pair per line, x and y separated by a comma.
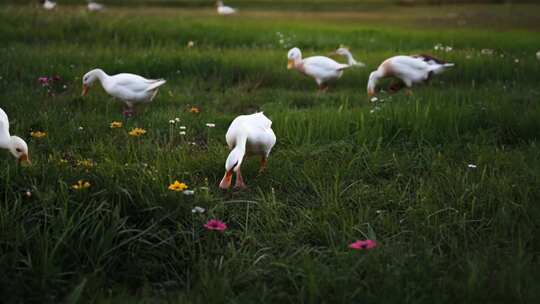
x,y
448,49
210,125
177,119
198,209
182,133
188,192
473,166
81,128
516,60
190,44
487,51
438,46
172,121
182,127
538,55
64,86
374,99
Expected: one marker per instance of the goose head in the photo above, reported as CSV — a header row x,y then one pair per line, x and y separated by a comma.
x,y
19,149
89,79
294,56
233,163
372,83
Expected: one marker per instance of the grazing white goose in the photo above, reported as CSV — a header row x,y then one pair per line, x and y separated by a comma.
x,y
94,6
224,10
322,69
48,5
344,51
16,145
130,88
247,134
409,70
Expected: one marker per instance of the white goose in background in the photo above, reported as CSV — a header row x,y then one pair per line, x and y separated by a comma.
x,y
130,88
408,70
322,69
223,9
48,5
16,145
344,51
94,6
250,134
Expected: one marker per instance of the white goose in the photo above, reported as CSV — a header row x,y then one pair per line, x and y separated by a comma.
x,y
247,134
344,51
322,69
16,145
224,10
48,5
94,6
409,70
130,88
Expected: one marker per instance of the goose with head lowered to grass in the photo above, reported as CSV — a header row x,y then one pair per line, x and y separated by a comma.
x,y
130,88
323,69
247,134
407,71
14,144
48,5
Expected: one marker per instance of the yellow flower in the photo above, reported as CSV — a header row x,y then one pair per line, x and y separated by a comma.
x,y
116,124
38,134
137,132
88,163
80,185
178,186
194,110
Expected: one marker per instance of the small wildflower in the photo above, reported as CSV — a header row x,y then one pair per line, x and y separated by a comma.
x,y
188,192
190,44
374,99
210,125
44,81
448,49
28,193
80,185
116,125
178,186
137,132
81,128
215,225
472,166
183,127
360,244
194,110
487,51
87,163
38,134
177,119
516,60
172,121
538,55
182,133
198,209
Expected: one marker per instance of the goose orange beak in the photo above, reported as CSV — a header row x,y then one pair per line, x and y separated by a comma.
x,y
290,64
25,159
226,181
85,90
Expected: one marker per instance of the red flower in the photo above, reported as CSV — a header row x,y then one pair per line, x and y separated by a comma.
x,y
360,245
215,225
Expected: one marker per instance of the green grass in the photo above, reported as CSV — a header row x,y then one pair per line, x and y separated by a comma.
x,y
343,169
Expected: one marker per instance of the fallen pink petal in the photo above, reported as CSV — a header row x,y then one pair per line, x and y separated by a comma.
x,y
215,225
363,244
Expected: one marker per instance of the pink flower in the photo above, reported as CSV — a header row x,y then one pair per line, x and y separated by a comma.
x,y
360,245
43,80
215,225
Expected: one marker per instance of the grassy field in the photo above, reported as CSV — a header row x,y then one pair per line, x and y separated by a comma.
x,y
344,168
